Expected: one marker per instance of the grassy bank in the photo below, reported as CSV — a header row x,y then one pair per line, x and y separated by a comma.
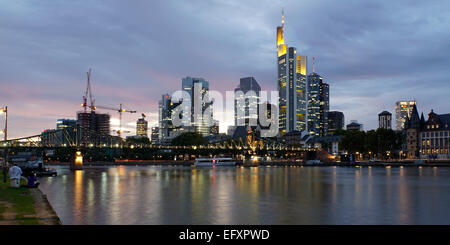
x,y
16,205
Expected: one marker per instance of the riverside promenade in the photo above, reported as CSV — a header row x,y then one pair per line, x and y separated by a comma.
x,y
25,206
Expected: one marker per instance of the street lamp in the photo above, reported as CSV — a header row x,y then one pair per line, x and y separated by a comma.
x,y
5,131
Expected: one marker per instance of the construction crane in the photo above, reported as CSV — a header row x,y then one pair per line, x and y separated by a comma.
x,y
85,104
88,92
93,107
120,110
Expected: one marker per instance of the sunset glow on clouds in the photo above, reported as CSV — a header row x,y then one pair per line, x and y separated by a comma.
x,y
372,53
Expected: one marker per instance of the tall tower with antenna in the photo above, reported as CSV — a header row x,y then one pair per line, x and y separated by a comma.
x,y
291,84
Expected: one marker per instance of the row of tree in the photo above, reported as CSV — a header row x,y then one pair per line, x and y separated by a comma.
x,y
378,141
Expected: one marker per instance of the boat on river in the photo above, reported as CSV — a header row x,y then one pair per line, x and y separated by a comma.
x,y
214,162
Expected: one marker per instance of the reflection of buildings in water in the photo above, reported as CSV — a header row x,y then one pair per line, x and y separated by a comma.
x,y
369,186
223,200
404,205
334,186
358,193
78,196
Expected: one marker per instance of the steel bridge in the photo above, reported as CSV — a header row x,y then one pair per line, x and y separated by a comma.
x,y
79,137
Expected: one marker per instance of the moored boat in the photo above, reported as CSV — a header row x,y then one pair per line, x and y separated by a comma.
x,y
213,162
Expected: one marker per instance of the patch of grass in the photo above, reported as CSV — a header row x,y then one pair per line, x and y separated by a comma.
x,y
21,200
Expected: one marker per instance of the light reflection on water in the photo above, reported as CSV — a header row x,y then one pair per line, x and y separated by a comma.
x,y
258,195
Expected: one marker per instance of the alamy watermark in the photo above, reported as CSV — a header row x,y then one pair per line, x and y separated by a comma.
x,y
200,107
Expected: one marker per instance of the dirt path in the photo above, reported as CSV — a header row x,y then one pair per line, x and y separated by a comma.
x,y
8,217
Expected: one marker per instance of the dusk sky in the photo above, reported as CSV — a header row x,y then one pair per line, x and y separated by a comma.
x,y
372,53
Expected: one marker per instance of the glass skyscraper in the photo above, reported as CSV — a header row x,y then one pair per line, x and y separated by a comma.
x,y
318,105
292,85
201,124
403,109
243,103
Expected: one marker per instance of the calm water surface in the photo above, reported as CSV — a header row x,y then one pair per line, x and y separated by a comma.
x,y
263,195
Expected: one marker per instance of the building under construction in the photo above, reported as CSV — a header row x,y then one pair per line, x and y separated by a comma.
x,y
94,127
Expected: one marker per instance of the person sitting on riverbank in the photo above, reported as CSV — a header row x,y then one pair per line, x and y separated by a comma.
x,y
32,180
15,173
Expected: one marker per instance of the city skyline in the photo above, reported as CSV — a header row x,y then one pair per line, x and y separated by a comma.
x,y
129,55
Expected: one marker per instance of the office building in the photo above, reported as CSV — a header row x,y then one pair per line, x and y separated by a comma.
x,y
318,105
354,126
166,108
142,127
292,85
403,109
384,120
336,121
155,135
246,102
66,123
68,128
94,127
202,121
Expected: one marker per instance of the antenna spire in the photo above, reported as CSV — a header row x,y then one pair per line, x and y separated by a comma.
x,y
282,16
314,64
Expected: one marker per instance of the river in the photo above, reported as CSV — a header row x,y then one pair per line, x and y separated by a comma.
x,y
260,195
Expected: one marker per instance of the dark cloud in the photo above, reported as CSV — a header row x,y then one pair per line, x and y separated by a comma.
x,y
372,53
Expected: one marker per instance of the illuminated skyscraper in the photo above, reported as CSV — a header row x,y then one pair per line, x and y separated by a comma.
x,y
318,105
201,121
243,103
403,109
336,121
165,114
155,135
292,85
142,127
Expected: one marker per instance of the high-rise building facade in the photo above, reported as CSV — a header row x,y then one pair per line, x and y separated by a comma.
x,y
384,120
142,127
66,123
318,105
403,110
301,90
246,103
336,121
155,135
202,121
292,85
165,117
70,135
94,127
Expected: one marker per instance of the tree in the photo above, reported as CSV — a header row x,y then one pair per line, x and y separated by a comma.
x,y
378,141
353,141
189,138
138,141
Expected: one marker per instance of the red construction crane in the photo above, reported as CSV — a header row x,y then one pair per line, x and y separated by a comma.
x,y
120,110
93,107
